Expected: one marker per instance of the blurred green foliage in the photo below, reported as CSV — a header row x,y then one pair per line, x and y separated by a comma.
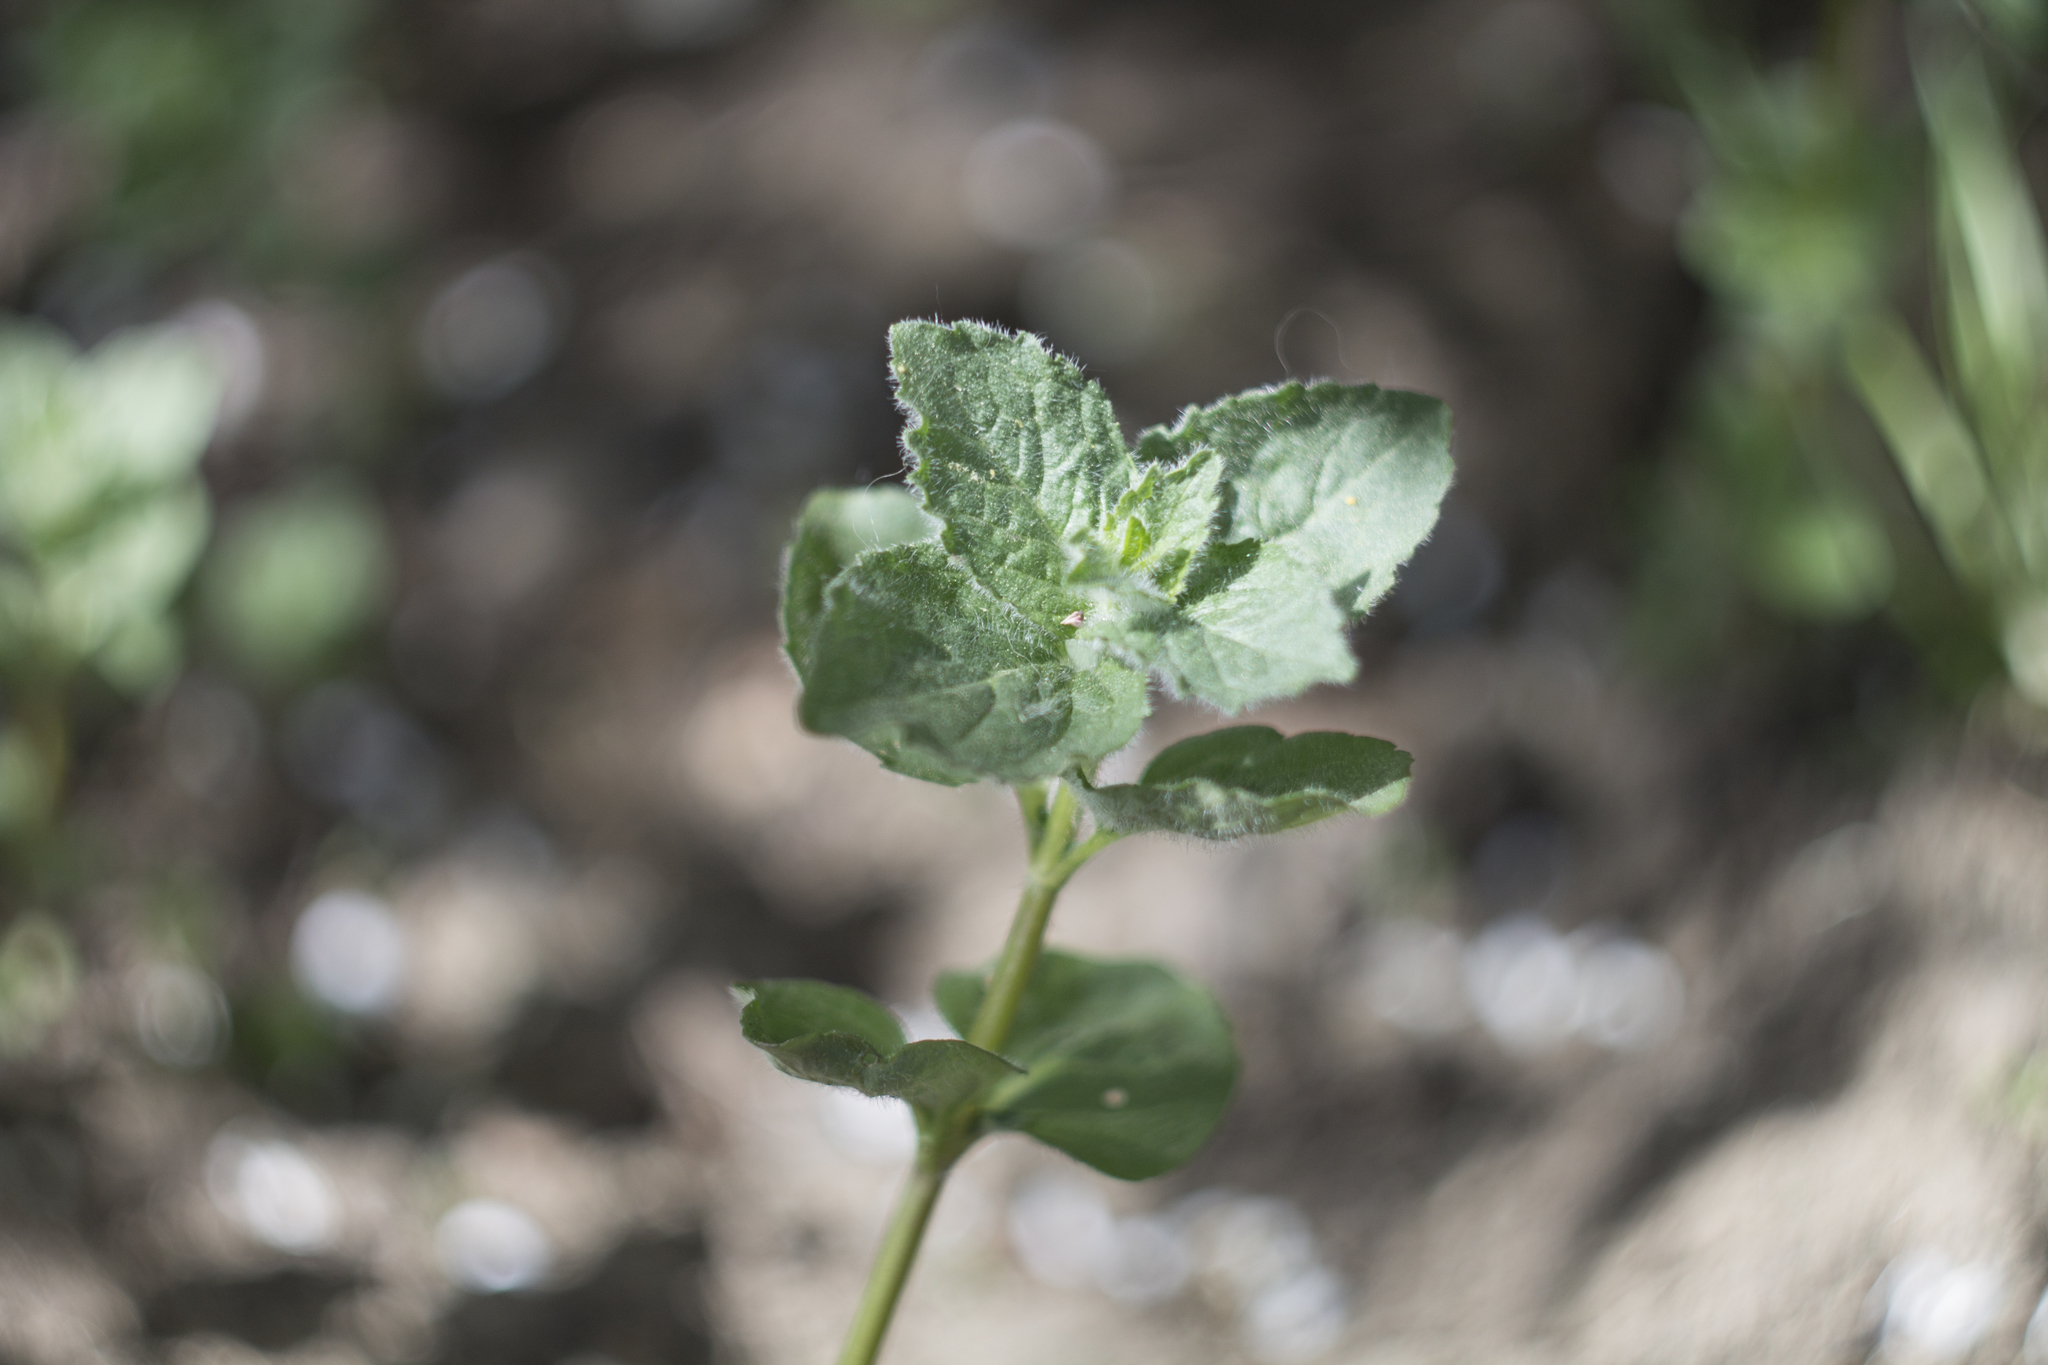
x,y
102,518
181,123
2022,24
101,508
187,103
295,575
1798,223
38,981
1825,193
1973,441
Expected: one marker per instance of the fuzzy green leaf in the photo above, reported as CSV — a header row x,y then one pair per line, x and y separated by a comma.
x,y
781,1014
1345,478
1252,626
999,409
917,663
836,527
1248,780
1226,558
836,1035
1327,491
1128,1066
1164,522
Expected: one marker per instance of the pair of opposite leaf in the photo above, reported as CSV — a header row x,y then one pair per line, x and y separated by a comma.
x,y
1001,619
1122,1065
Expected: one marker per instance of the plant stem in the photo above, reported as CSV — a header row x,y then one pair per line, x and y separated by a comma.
x,y
892,1263
1049,811
1042,884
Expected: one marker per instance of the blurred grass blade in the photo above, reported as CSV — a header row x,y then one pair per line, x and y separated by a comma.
x,y
2020,24
1970,351
2007,406
1995,264
1935,452
2001,233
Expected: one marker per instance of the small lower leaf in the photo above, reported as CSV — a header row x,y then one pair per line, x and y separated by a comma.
x,y
779,1012
1247,779
836,1035
819,1032
1128,1066
938,1074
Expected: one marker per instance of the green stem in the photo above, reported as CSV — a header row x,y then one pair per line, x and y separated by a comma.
x,y
1042,884
892,1262
1050,812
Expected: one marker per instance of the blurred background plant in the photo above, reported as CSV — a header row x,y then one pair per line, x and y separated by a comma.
x,y
1834,218
105,518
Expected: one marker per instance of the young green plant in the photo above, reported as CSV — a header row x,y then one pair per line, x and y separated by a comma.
x,y
1002,620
